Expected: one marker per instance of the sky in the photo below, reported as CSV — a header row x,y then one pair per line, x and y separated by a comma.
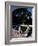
x,y
30,9
15,7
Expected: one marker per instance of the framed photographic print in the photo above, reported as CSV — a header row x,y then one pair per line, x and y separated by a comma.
x,y
20,22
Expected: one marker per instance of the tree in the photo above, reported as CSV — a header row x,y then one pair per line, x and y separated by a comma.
x,y
19,16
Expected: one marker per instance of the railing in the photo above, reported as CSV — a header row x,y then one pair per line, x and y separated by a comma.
x,y
23,26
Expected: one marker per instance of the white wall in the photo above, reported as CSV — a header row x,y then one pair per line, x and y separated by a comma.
x,y
2,23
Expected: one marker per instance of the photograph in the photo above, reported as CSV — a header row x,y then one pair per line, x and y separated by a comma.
x,y
21,22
